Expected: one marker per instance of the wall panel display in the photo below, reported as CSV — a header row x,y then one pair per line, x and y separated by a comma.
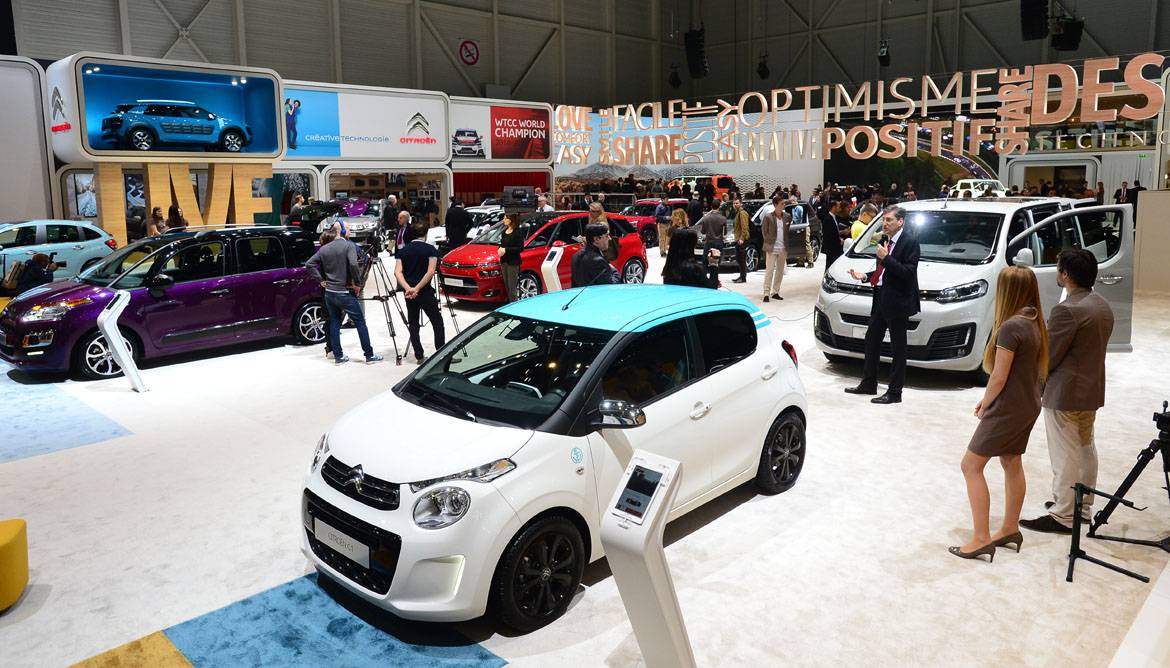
x,y
496,130
108,108
25,170
365,123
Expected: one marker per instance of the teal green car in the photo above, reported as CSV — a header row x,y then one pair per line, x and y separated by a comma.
x,y
73,244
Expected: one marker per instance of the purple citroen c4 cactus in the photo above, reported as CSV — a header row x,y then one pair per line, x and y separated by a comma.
x,y
190,290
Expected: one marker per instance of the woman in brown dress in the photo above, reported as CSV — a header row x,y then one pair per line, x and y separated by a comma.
x,y
1017,359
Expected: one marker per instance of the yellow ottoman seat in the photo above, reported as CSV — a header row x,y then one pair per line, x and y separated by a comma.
x,y
13,561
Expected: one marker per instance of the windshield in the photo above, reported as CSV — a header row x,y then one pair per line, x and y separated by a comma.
x,y
510,370
491,236
961,237
484,217
116,263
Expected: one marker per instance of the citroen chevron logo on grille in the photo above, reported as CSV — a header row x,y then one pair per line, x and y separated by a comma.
x,y
58,103
420,123
356,478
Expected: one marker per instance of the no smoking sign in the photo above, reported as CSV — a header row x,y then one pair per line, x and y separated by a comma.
x,y
469,52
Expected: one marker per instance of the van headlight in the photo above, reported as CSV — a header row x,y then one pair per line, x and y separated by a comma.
x,y
829,284
441,507
320,453
486,473
53,311
961,293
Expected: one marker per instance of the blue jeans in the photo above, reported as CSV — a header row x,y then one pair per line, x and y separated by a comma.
x,y
339,305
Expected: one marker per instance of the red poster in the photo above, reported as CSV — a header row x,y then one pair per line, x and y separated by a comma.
x,y
520,133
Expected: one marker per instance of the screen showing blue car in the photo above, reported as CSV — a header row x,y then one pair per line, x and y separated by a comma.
x,y
139,109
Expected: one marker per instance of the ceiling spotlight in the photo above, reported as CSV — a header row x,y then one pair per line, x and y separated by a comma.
x,y
243,80
235,81
96,68
762,68
674,79
89,71
884,53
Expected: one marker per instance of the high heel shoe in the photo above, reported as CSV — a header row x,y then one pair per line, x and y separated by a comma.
x,y
1017,538
988,549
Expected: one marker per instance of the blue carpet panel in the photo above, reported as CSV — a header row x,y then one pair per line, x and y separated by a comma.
x,y
306,623
42,418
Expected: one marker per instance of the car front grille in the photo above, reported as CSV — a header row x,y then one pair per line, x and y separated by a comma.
x,y
350,481
863,321
945,343
111,123
459,265
385,546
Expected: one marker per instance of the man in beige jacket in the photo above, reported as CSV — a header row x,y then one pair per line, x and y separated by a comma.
x,y
774,229
1078,335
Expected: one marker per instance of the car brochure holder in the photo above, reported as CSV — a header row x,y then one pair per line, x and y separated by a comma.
x,y
549,269
631,531
107,322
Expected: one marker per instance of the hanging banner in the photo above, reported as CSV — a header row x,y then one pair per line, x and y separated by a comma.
x,y
500,130
360,123
117,108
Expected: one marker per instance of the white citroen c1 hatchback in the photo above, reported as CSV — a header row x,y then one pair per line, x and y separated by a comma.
x,y
965,244
479,479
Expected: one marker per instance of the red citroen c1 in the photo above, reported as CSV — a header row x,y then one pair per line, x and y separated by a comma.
x,y
472,272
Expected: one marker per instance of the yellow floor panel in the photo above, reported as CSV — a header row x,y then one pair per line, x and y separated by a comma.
x,y
155,651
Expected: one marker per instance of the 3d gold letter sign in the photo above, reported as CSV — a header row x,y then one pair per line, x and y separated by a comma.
x,y
1000,106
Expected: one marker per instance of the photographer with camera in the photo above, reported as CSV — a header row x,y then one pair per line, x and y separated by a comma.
x,y
414,266
37,270
336,267
1078,334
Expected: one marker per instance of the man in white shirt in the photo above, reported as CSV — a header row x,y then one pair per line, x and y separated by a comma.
x,y
542,204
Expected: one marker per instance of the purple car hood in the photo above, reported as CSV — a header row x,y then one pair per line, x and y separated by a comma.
x,y
55,292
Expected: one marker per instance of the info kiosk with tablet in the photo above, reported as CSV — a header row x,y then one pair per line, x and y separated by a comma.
x,y
631,531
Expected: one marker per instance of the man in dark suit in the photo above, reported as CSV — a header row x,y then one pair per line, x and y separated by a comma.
x,y
833,218
895,299
1133,197
1078,335
457,223
1121,195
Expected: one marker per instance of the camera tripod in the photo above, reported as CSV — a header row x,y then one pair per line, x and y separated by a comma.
x,y
385,293
1160,445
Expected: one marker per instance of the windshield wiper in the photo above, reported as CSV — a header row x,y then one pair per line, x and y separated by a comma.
x,y
442,400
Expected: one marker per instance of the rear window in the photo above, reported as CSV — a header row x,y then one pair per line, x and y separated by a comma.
x,y
90,235
725,337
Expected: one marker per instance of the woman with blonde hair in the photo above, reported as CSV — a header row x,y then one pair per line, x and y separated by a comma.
x,y
1016,358
678,221
597,213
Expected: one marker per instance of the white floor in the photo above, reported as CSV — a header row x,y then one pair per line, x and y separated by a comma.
x,y
199,508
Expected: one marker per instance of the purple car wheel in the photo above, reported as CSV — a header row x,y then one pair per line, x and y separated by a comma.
x,y
309,324
95,360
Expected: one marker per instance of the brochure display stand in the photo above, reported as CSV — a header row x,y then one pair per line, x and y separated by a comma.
x,y
108,324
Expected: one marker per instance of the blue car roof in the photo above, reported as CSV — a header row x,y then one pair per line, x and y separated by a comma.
x,y
630,308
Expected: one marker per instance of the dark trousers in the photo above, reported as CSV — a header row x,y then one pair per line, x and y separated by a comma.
x,y
741,259
427,302
878,324
339,305
708,245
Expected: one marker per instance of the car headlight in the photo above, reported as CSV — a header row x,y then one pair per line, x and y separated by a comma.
x,y
54,311
961,293
441,507
320,453
485,473
830,285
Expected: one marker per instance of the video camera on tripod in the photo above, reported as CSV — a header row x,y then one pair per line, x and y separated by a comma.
x,y
1162,421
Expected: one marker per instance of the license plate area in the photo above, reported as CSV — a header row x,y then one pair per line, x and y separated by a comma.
x,y
346,545
859,333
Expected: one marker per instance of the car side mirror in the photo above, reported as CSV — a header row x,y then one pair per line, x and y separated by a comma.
x,y
616,414
558,244
1024,258
159,284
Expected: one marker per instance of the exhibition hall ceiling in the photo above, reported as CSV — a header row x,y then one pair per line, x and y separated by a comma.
x,y
585,52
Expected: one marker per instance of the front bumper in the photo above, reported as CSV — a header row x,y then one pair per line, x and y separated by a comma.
x,y
33,347
942,336
472,285
431,575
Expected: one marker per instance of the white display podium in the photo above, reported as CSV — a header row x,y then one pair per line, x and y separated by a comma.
x,y
107,322
631,531
549,269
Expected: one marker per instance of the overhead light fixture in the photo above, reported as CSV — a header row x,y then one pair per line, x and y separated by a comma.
x,y
235,81
243,80
96,68
762,68
884,53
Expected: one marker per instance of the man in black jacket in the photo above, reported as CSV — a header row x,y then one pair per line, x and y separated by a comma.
x,y
833,219
895,299
589,264
457,223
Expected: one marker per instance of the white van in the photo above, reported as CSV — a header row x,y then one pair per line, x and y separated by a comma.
x,y
965,244
979,188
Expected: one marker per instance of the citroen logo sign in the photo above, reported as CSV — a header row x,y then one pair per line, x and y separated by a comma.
x,y
356,478
58,103
418,122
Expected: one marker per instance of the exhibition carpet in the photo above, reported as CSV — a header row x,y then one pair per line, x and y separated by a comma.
x,y
42,418
301,623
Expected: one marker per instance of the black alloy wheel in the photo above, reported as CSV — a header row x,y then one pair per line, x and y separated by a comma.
x,y
232,141
141,139
538,574
650,236
783,455
94,359
751,258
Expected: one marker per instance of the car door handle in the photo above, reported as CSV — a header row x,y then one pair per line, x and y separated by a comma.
x,y
1110,280
283,281
700,410
221,291
78,247
768,372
